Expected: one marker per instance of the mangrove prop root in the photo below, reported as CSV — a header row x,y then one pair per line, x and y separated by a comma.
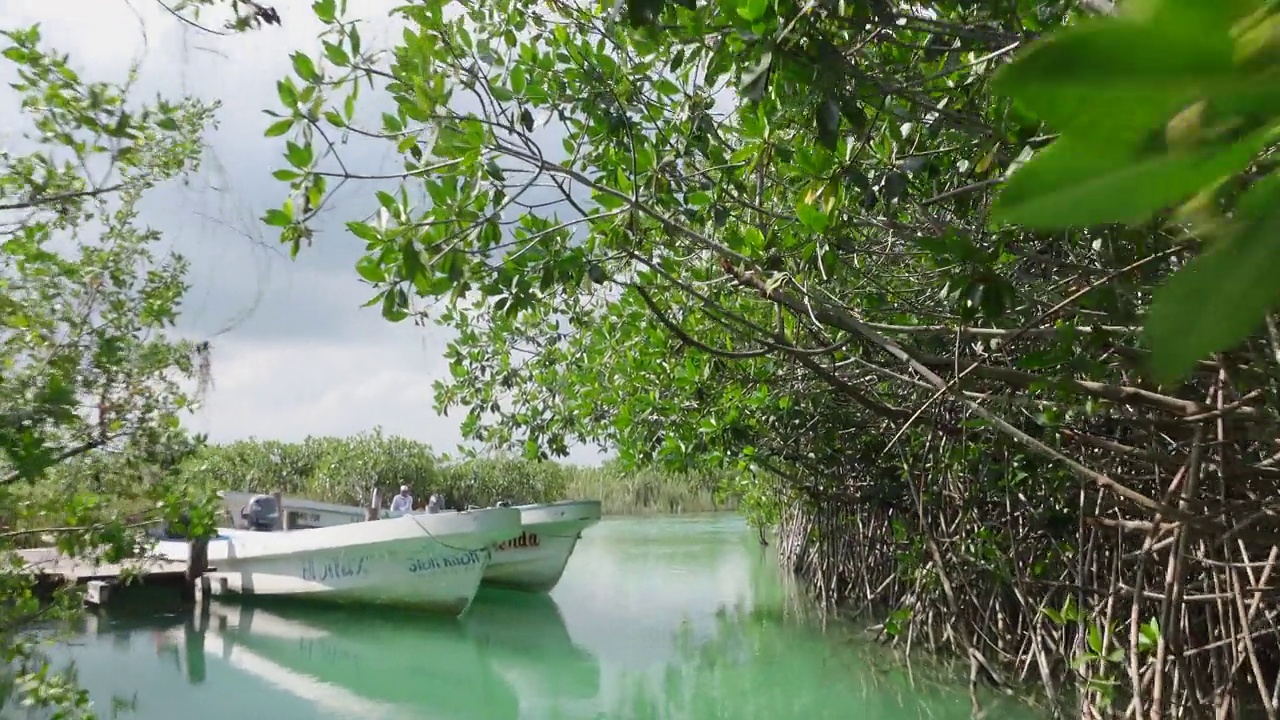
x,y
1110,610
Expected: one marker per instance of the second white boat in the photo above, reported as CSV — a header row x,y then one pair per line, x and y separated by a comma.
x,y
535,561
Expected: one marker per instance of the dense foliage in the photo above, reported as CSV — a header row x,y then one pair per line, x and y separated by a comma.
x,y
1149,132
346,470
89,373
770,234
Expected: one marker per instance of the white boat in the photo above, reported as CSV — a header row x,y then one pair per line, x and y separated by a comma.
x,y
535,561
532,562
433,562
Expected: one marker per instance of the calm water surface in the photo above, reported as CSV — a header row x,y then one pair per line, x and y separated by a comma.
x,y
671,618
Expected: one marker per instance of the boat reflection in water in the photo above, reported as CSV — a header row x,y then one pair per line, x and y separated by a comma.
x,y
511,649
525,639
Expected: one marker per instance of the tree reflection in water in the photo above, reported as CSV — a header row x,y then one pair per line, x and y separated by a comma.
x,y
775,659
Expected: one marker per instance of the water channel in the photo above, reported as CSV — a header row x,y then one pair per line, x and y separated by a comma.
x,y
680,618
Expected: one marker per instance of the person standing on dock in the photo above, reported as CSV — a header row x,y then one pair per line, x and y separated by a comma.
x,y
402,503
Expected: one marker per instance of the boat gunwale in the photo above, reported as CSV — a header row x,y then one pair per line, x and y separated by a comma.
x,y
405,528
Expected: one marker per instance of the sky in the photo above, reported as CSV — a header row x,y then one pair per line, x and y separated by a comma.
x,y
294,353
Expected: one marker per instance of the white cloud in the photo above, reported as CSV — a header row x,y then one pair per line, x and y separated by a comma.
x,y
263,389
294,352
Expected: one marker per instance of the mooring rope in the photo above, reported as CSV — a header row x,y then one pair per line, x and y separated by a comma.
x,y
488,550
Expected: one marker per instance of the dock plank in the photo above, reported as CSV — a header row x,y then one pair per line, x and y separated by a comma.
x,y
49,562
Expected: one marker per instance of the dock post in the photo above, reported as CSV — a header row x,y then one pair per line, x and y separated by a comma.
x,y
371,512
280,523
98,592
197,565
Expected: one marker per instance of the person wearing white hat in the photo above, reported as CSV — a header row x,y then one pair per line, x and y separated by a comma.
x,y
402,503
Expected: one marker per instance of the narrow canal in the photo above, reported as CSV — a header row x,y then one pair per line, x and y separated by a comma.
x,y
681,618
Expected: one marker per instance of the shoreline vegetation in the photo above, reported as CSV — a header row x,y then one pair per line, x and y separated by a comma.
x,y
345,469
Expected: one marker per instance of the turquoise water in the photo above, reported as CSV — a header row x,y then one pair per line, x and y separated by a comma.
x,y
672,618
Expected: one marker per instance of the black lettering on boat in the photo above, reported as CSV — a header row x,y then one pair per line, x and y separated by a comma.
x,y
301,520
524,541
428,564
340,568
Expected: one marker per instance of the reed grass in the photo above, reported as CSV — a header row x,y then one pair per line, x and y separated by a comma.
x,y
647,492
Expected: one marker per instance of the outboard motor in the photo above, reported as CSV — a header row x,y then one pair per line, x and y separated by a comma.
x,y
166,531
260,513
504,503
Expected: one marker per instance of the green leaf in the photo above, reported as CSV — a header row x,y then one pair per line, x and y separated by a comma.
x,y
518,81
167,123
394,304
1191,15
353,37
370,269
752,9
1149,634
299,156
698,199
1076,183
277,218
812,216
288,93
1053,615
1223,295
336,54
500,93
286,175
1095,639
305,67
364,231
1115,80
325,10
666,87
279,127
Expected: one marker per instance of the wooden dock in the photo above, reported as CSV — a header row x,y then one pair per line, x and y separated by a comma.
x,y
104,581
49,563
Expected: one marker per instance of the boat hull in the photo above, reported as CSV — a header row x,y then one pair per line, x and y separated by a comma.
x,y
535,560
421,574
429,563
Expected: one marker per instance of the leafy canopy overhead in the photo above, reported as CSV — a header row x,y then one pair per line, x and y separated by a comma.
x,y
768,232
1143,129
